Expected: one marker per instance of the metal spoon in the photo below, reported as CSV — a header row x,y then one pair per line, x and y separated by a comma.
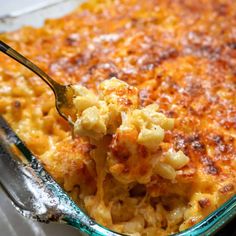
x,y
63,93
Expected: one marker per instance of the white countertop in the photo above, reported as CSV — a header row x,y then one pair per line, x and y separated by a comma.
x,y
17,13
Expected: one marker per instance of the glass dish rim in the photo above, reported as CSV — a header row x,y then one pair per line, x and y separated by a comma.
x,y
208,226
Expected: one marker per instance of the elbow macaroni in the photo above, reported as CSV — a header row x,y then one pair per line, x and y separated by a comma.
x,y
90,124
151,138
114,97
176,159
165,171
136,131
84,98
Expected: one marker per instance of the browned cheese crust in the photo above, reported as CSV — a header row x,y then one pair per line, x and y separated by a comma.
x,y
181,55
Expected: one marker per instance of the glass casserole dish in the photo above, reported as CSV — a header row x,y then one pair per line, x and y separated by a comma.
x,y
207,226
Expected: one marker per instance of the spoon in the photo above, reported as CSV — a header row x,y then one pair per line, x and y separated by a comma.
x,y
63,93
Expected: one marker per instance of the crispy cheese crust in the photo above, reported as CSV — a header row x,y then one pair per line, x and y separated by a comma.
x,y
180,55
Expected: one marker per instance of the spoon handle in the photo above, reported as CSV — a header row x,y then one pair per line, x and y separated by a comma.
x,y
63,94
30,65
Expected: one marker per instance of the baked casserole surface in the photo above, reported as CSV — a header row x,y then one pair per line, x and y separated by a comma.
x,y
181,56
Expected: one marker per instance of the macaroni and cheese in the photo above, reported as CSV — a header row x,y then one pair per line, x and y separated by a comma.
x,y
154,144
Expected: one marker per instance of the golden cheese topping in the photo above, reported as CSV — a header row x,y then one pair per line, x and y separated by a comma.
x,y
179,55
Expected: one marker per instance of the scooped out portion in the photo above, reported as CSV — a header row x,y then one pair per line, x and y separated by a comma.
x,y
99,115
137,134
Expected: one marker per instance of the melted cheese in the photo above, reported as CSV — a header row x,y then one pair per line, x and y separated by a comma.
x,y
179,55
